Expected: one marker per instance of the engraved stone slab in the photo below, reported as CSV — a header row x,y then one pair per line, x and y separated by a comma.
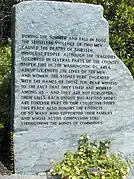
x,y
68,81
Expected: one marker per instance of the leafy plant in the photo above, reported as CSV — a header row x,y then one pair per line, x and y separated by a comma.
x,y
5,68
5,101
92,160
12,153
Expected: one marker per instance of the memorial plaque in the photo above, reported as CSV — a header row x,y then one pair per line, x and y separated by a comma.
x,y
68,81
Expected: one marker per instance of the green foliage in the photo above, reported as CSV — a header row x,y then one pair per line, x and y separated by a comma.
x,y
94,161
5,67
5,99
120,15
5,19
5,62
122,35
12,153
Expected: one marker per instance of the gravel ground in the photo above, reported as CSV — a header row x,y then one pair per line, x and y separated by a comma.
x,y
4,170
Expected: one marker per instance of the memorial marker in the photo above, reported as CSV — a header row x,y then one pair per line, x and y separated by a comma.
x,y
68,82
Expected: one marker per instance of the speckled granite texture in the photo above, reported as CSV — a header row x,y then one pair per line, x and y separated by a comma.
x,y
35,146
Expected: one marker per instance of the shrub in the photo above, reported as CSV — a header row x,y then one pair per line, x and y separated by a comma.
x,y
5,68
5,101
94,161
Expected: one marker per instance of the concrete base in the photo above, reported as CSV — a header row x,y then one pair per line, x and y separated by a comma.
x,y
22,177
40,176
